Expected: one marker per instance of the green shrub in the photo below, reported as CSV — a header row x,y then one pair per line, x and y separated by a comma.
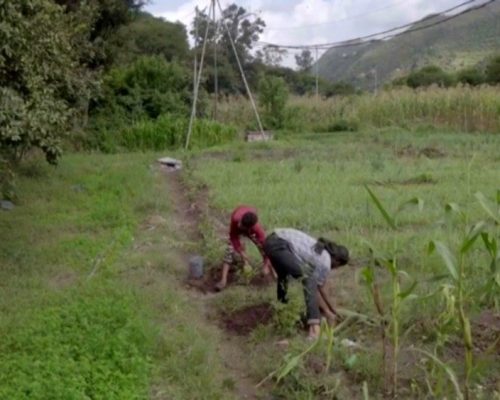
x,y
7,183
273,94
340,89
93,346
343,125
470,76
493,70
430,75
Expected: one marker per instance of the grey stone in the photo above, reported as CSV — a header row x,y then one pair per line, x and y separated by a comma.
x,y
6,205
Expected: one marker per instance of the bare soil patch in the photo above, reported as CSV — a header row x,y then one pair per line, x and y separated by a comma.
x,y
486,331
422,179
245,320
213,274
429,152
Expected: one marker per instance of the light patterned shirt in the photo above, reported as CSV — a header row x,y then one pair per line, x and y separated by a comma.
x,y
303,248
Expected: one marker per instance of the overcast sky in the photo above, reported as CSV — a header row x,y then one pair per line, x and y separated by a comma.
x,y
313,21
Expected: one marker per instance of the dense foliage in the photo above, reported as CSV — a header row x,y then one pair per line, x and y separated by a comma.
x,y
43,85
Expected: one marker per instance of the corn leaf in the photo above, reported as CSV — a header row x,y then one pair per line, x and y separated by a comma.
x,y
448,258
451,374
417,201
486,207
472,236
390,220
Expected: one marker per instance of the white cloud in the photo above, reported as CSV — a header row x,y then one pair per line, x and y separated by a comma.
x,y
316,21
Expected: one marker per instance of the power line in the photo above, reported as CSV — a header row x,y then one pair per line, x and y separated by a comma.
x,y
389,33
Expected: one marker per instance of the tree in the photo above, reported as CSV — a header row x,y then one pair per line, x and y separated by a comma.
x,y
244,32
271,55
493,71
273,95
107,16
149,36
304,60
42,82
245,29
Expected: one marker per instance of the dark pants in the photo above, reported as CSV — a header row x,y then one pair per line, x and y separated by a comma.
x,y
286,264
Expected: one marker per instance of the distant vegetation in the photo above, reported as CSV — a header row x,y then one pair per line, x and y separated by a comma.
x,y
112,77
460,43
434,75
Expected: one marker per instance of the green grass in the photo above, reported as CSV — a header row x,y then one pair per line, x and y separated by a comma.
x,y
90,305
317,183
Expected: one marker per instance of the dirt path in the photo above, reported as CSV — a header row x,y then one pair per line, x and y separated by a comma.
x,y
186,214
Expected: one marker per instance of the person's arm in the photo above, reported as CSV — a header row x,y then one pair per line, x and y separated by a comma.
x,y
325,305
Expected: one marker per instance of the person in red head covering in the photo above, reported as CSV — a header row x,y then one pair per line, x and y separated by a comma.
x,y
244,222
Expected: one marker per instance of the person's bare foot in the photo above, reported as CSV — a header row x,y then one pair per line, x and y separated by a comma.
x,y
314,331
219,286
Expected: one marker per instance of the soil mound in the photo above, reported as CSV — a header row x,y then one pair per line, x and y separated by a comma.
x,y
245,320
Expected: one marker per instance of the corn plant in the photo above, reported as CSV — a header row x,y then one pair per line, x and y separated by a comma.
x,y
456,262
389,261
292,361
491,290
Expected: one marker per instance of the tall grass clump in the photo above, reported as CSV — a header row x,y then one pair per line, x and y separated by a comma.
x,y
460,108
169,132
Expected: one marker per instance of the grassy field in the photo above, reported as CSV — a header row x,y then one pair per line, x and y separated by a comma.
x,y
93,306
317,183
90,305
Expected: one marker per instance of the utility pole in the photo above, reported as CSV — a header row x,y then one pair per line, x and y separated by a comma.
x,y
317,74
195,47
216,78
375,78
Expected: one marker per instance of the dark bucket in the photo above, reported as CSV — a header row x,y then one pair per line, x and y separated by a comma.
x,y
196,267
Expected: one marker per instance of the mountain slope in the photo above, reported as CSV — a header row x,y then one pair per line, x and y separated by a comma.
x,y
457,43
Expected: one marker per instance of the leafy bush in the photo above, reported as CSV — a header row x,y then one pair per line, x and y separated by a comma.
x,y
273,94
493,70
339,89
343,125
93,346
430,75
287,317
147,88
470,76
7,185
42,83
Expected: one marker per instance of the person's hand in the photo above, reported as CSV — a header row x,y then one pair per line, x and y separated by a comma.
x,y
268,269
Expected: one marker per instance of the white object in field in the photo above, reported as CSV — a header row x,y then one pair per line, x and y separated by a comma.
x,y
170,163
257,136
348,343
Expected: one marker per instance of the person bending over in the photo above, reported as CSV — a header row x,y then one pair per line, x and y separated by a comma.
x,y
296,254
244,222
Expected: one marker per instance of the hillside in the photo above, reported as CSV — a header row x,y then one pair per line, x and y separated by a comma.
x,y
457,43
